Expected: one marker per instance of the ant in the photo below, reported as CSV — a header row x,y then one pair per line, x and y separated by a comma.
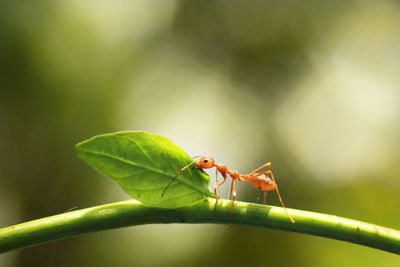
x,y
258,179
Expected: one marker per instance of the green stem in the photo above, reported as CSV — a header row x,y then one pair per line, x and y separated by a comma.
x,y
132,212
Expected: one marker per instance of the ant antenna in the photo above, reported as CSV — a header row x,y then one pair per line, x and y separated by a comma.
x,y
173,179
280,199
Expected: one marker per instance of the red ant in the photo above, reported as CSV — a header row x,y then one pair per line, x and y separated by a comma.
x,y
259,180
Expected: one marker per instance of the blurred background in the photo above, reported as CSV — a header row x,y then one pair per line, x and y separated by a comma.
x,y
313,87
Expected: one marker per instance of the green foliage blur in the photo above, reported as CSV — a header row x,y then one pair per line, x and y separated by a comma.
x,y
311,86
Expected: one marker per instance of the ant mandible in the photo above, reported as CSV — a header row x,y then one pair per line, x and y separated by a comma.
x,y
258,179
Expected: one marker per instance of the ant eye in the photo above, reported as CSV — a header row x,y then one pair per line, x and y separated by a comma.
x,y
205,161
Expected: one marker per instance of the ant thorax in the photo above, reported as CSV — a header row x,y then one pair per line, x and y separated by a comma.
x,y
222,169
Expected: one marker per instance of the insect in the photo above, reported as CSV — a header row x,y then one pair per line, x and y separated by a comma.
x,y
260,178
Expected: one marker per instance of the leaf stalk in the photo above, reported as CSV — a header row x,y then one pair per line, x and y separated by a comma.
x,y
132,212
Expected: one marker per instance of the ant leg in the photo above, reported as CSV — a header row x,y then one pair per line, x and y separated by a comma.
x,y
265,197
216,190
230,190
234,194
266,165
216,182
277,191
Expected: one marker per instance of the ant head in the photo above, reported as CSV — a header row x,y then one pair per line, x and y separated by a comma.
x,y
205,163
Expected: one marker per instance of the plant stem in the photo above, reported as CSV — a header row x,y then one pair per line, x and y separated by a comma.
x,y
132,212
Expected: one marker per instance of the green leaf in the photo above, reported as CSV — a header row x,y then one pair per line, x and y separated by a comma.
x,y
143,164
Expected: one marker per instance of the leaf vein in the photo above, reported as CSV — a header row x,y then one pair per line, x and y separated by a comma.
x,y
139,147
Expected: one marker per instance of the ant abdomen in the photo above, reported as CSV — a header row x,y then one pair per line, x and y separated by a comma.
x,y
263,182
